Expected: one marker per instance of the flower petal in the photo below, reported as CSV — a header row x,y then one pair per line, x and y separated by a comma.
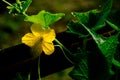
x,y
29,39
48,48
49,35
36,50
37,30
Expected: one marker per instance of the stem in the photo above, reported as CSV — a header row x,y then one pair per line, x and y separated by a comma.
x,y
28,76
7,2
63,47
113,26
24,14
39,69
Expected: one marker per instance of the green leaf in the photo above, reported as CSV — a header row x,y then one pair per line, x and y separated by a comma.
x,y
80,70
44,18
88,18
107,46
76,28
106,8
83,16
94,19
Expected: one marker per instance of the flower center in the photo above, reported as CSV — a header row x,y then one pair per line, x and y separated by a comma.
x,y
40,39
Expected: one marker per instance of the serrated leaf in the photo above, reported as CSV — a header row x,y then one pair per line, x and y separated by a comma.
x,y
44,18
106,8
94,19
76,28
83,16
107,46
88,18
80,70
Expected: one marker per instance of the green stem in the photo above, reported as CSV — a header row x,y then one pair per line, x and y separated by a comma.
x,y
62,46
28,76
39,69
113,26
24,14
7,2
116,63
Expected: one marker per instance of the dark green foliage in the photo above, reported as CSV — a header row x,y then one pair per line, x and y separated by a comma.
x,y
87,24
80,71
76,28
93,19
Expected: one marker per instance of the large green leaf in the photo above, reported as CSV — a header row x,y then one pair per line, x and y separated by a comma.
x,y
88,18
76,28
44,18
106,8
107,46
80,70
94,19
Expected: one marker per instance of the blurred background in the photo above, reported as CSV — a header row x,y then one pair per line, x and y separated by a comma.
x,y
12,27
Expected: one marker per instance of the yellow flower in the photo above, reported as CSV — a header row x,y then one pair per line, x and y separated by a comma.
x,y
40,39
